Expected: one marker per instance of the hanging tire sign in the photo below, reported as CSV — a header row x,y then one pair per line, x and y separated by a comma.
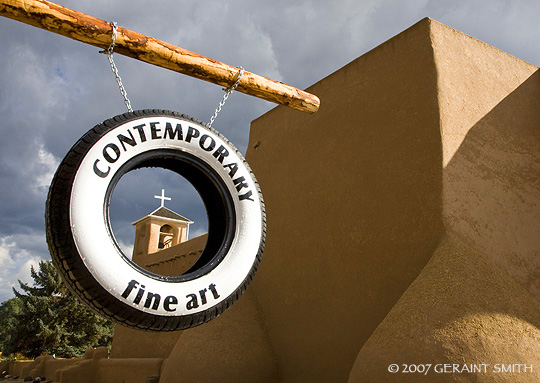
x,y
84,248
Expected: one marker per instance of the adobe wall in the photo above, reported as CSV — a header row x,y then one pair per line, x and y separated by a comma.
x,y
131,343
472,304
232,348
490,118
14,368
174,260
477,301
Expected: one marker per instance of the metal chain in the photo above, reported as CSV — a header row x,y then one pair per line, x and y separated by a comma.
x,y
228,92
109,52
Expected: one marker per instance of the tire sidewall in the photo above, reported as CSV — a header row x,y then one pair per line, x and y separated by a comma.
x,y
97,248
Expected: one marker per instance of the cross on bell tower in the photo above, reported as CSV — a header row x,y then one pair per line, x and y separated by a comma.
x,y
162,197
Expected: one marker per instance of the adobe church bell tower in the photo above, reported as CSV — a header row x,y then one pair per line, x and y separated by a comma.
x,y
160,229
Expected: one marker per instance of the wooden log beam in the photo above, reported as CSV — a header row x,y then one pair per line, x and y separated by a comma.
x,y
90,30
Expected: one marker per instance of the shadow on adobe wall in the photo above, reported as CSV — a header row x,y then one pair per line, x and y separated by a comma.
x,y
492,186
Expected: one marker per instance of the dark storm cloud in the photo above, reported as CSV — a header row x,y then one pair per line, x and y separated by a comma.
x,y
53,89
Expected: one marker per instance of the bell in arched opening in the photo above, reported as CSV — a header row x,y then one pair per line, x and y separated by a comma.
x,y
165,236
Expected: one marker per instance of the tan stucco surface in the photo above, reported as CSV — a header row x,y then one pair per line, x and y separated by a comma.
x,y
490,126
232,348
175,260
131,343
462,309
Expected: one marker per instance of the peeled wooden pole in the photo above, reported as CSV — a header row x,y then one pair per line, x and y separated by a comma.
x,y
90,30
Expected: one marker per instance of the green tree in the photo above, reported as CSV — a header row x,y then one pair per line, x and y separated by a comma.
x,y
8,323
51,319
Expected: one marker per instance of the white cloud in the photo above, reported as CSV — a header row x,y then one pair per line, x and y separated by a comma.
x,y
5,259
15,263
45,165
127,248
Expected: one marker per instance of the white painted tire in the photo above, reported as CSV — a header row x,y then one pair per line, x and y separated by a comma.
x,y
85,251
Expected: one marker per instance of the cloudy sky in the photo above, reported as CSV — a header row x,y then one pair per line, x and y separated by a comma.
x,y
53,89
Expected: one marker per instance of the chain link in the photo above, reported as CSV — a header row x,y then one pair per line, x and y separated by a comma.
x,y
109,52
228,92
